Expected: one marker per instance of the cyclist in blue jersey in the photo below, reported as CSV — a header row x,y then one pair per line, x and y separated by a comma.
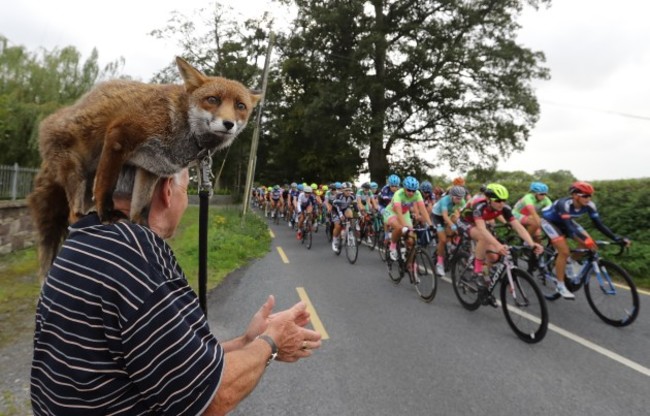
x,y
558,224
445,213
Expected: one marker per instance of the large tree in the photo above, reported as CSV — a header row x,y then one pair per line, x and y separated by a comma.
x,y
444,76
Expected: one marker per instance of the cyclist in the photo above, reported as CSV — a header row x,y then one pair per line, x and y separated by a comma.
x,y
445,213
427,194
293,196
397,216
304,205
527,209
341,207
365,204
558,224
276,201
473,223
386,195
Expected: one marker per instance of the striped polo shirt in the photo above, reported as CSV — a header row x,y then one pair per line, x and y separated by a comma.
x,y
119,330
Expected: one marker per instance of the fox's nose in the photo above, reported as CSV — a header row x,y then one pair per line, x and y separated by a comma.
x,y
228,125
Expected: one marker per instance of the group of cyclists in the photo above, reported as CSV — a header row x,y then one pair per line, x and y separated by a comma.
x,y
448,213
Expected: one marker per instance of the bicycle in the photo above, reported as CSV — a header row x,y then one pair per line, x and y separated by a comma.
x,y
306,231
415,262
610,291
368,233
522,301
348,238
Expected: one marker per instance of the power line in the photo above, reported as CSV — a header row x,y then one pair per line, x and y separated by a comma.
x,y
598,110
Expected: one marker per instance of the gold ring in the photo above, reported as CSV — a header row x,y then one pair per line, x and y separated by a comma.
x,y
304,345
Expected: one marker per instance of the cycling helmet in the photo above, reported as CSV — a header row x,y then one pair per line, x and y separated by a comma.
x,y
458,181
538,188
365,185
313,186
338,185
373,185
307,189
426,187
411,183
300,187
393,180
458,191
325,187
293,184
347,186
276,187
496,191
581,187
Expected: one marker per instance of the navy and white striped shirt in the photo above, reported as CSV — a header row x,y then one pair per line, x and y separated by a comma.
x,y
119,330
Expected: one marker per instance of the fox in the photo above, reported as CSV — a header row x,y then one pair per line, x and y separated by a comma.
x,y
158,128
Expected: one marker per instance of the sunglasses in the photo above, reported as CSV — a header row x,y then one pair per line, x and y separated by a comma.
x,y
542,194
409,191
498,200
585,195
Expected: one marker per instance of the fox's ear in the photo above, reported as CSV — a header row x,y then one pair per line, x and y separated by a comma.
x,y
193,77
256,96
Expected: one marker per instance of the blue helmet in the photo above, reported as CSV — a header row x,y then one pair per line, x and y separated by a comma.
x,y
300,186
393,180
411,183
373,185
539,188
426,187
338,185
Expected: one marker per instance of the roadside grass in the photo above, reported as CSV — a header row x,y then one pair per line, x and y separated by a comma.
x,y
230,246
19,290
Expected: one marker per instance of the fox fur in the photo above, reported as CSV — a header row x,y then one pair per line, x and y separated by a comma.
x,y
159,128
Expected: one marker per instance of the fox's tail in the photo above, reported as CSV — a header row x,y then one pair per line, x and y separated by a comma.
x,y
50,209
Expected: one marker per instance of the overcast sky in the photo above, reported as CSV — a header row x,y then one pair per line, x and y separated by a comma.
x,y
595,119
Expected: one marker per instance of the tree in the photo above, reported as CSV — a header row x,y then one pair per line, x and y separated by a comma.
x,y
447,76
32,86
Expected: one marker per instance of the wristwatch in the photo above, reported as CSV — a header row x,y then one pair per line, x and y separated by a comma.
x,y
274,348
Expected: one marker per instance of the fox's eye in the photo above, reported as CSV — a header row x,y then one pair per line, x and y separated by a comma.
x,y
241,106
214,100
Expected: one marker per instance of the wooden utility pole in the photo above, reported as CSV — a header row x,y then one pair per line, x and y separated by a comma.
x,y
256,133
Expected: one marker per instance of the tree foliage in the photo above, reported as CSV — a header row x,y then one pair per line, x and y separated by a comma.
x,y
447,76
33,85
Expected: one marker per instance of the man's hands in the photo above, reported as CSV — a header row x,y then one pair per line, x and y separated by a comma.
x,y
287,328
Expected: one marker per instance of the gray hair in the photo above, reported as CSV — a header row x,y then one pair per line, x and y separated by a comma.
x,y
126,181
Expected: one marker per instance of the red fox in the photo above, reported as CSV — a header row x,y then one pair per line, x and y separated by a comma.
x,y
160,128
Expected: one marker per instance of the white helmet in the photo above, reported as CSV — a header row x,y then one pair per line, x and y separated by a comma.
x,y
306,189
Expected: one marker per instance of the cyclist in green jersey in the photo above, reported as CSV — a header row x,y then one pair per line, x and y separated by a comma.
x,y
528,208
396,214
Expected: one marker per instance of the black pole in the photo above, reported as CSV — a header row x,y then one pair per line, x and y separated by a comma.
x,y
205,192
204,197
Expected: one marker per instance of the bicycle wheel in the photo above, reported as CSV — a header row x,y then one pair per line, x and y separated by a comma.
x,y
524,306
328,231
426,281
307,235
351,247
612,295
464,281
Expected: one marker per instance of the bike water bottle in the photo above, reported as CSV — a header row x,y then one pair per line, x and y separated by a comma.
x,y
403,252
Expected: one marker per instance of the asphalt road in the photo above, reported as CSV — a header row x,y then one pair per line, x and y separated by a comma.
x,y
388,353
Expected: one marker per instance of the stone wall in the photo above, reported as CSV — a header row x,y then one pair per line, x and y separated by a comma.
x,y
16,226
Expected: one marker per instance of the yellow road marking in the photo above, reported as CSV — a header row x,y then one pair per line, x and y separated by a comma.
x,y
315,320
284,256
271,232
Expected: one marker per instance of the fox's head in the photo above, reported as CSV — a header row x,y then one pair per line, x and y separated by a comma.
x,y
218,108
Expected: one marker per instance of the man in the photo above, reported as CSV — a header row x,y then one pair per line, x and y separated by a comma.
x,y
119,330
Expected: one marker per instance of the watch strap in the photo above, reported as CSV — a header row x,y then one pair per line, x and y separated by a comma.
x,y
274,347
